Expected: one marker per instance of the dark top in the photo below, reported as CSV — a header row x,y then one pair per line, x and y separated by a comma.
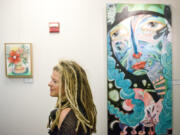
x,y
68,126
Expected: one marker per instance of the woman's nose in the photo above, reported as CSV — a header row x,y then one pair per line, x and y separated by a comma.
x,y
49,84
136,53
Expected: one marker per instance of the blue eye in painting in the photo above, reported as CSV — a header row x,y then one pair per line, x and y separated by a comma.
x,y
115,34
152,26
119,33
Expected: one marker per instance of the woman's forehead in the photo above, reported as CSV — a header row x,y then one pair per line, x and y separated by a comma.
x,y
55,74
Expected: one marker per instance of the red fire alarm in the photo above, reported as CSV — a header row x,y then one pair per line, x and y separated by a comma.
x,y
54,27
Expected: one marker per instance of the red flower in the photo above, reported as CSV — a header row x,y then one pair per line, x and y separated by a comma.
x,y
14,57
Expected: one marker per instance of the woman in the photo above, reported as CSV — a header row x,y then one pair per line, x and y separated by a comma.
x,y
75,112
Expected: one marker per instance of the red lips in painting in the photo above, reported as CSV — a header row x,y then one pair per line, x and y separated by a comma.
x,y
139,65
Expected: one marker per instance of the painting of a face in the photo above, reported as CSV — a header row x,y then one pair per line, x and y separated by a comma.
x,y
139,69
139,41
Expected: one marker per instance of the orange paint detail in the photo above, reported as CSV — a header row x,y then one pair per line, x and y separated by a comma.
x,y
129,103
139,65
137,56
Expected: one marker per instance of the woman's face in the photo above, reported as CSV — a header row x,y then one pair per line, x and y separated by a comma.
x,y
55,84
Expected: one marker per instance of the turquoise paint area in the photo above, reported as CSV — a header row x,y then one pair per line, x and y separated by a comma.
x,y
138,114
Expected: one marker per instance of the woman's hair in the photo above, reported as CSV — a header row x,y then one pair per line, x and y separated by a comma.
x,y
78,95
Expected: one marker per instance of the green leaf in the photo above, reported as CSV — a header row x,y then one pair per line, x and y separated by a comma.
x,y
10,64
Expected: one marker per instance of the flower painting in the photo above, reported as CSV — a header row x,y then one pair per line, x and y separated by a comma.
x,y
18,58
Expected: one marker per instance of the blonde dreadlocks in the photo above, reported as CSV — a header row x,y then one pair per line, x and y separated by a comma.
x,y
77,94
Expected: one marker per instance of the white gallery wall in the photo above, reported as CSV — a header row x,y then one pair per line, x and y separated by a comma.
x,y
25,103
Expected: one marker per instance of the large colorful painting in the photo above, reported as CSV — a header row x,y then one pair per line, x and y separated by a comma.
x,y
139,69
18,58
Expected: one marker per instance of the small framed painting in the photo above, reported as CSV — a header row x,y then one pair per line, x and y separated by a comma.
x,y
18,60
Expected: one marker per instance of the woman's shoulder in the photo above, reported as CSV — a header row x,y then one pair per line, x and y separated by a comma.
x,y
64,113
69,122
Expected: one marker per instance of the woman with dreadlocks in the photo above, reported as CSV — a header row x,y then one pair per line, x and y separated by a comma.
x,y
75,112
